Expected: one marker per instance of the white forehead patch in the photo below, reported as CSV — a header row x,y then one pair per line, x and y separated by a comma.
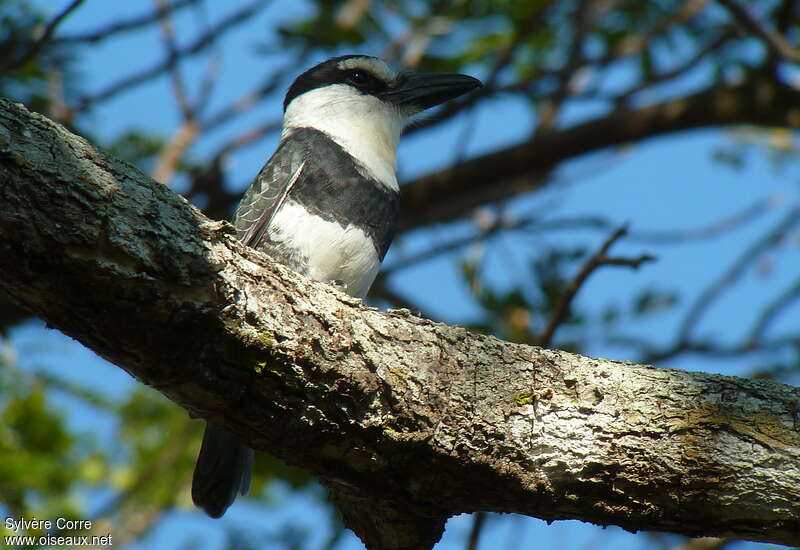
x,y
376,66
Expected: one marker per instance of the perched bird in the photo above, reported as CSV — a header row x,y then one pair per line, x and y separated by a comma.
x,y
326,203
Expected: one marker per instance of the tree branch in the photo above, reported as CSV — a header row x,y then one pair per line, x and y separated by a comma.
x,y
47,33
452,193
563,307
122,26
199,44
773,40
381,407
734,272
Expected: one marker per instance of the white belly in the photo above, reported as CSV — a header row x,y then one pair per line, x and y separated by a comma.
x,y
331,252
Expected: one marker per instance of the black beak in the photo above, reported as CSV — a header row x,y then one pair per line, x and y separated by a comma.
x,y
419,91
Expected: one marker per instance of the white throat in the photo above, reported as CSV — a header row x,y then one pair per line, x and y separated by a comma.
x,y
366,127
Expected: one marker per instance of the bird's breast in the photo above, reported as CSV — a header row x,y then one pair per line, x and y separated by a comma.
x,y
324,250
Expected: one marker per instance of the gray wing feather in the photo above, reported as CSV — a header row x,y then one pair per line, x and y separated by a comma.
x,y
268,192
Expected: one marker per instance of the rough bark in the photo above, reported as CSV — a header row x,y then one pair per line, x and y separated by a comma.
x,y
454,192
407,421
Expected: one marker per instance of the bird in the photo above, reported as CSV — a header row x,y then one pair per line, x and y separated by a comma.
x,y
326,203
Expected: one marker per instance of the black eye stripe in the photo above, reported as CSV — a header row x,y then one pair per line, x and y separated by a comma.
x,y
363,80
337,71
360,77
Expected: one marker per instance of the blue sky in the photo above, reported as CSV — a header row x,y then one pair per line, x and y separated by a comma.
x,y
663,184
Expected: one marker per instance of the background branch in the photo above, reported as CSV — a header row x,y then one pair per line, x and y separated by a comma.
x,y
199,44
600,258
125,25
452,193
43,39
773,40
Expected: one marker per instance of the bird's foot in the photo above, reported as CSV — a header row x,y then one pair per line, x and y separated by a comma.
x,y
341,285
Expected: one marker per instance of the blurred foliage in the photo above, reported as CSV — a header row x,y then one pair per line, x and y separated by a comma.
x,y
520,312
780,144
44,461
52,72
50,469
137,147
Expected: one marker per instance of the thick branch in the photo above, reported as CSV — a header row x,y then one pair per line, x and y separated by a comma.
x,y
454,192
405,420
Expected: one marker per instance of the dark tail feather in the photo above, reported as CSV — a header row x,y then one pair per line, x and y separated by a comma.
x,y
224,467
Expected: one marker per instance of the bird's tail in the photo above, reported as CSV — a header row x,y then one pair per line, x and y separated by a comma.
x,y
224,467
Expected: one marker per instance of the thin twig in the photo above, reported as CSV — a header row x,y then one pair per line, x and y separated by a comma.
x,y
632,45
248,137
44,38
266,87
776,42
245,102
208,83
636,43
735,271
772,312
532,224
478,521
725,35
131,24
450,246
522,31
547,114
714,229
600,258
171,154
201,43
168,38
650,355
687,342
213,68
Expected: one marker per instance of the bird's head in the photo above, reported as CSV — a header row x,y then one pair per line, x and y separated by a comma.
x,y
362,78
362,104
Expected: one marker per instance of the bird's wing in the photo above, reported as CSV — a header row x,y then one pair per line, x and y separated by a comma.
x,y
268,192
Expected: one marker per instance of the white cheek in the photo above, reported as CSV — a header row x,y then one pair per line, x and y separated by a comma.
x,y
364,126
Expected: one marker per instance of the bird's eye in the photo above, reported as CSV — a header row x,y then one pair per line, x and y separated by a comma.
x,y
359,78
